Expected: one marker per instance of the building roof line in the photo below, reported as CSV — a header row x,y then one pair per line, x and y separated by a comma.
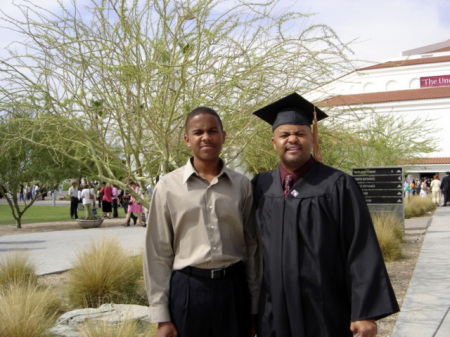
x,y
387,96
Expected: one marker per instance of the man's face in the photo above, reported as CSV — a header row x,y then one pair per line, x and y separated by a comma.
x,y
205,137
293,144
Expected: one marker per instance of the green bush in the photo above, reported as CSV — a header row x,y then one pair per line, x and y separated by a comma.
x,y
417,206
389,230
27,310
15,269
103,274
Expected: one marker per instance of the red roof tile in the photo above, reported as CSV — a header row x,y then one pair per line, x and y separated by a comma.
x,y
388,96
409,62
428,161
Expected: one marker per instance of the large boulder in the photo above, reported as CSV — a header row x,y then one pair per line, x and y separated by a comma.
x,y
68,325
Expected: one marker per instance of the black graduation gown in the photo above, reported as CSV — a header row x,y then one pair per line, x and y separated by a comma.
x,y
322,263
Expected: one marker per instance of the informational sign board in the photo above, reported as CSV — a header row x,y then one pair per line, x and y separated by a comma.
x,y
380,185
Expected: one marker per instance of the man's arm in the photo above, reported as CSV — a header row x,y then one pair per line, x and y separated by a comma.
x,y
158,257
369,289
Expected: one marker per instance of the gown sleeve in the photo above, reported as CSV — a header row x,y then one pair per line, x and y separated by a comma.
x,y
369,289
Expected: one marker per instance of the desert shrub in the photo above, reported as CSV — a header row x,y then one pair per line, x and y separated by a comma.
x,y
140,295
27,310
16,269
129,328
103,274
389,230
417,206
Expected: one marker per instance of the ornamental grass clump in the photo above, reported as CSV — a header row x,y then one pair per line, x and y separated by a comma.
x,y
16,269
417,206
128,328
103,274
27,310
389,230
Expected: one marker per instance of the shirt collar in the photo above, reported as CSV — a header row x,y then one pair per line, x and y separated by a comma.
x,y
298,173
189,170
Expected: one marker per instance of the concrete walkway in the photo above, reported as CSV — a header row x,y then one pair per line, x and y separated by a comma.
x,y
54,252
425,309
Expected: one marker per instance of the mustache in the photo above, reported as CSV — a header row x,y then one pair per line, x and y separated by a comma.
x,y
289,147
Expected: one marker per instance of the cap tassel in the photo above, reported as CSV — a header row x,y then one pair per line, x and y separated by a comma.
x,y
315,139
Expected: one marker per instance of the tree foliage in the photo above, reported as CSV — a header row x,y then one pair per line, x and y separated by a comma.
x,y
376,139
115,79
22,162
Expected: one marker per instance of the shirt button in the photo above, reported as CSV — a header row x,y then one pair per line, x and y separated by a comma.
x,y
212,227
214,248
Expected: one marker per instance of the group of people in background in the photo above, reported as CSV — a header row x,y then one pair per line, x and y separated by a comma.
x,y
423,186
109,200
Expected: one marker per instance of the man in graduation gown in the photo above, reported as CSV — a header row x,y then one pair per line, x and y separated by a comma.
x,y
324,275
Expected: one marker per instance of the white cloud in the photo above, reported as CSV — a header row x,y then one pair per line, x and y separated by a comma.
x,y
383,28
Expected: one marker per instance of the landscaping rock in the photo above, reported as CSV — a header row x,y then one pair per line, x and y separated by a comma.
x,y
68,325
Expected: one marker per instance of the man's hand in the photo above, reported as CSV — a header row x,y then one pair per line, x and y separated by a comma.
x,y
166,329
366,328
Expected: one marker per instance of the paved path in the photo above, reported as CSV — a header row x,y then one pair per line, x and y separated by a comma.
x,y
425,309
54,252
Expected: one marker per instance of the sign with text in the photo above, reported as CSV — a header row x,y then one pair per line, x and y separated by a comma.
x,y
435,81
380,185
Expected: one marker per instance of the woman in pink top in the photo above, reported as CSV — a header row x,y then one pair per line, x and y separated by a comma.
x,y
134,206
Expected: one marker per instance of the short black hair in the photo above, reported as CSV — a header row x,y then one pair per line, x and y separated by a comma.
x,y
199,111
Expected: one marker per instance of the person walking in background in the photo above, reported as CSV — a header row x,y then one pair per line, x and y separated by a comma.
x,y
115,200
445,188
324,275
417,186
29,191
106,191
407,189
134,206
35,190
88,198
436,190
201,251
22,193
126,197
73,194
100,195
423,187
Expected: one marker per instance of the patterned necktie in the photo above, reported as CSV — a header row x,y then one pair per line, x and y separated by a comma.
x,y
288,180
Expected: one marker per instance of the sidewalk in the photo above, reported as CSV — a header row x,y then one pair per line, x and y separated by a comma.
x,y
425,309
54,252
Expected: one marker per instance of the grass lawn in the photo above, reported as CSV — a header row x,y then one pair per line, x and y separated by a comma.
x,y
37,214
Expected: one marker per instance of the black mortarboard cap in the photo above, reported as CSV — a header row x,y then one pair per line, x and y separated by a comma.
x,y
291,109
